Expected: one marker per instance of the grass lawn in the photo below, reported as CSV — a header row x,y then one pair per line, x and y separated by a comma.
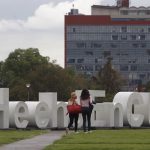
x,y
9,136
122,139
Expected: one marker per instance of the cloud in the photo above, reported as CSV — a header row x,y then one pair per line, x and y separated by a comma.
x,y
6,25
47,16
51,17
21,9
43,30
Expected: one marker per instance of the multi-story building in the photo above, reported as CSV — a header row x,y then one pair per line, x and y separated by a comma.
x,y
119,32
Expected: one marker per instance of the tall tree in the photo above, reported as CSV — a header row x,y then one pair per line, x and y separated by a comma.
x,y
109,79
27,66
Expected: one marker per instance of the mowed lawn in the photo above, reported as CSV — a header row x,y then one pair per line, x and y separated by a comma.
x,y
118,139
9,136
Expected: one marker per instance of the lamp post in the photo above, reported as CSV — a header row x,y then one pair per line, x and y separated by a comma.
x,y
28,86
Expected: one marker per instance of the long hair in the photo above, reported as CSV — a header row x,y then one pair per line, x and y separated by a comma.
x,y
85,94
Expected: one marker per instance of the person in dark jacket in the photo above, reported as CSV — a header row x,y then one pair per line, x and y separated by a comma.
x,y
85,102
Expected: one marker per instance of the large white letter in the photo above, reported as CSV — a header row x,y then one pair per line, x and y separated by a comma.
x,y
38,114
4,108
108,115
129,101
50,99
62,120
18,114
145,108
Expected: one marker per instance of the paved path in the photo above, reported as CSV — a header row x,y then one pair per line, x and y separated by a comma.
x,y
35,143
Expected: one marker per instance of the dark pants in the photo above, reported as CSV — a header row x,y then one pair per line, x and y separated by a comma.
x,y
73,118
86,114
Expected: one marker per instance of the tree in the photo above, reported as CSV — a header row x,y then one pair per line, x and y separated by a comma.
x,y
17,67
27,66
1,73
109,79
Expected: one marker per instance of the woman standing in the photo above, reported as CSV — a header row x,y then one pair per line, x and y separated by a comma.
x,y
73,117
85,102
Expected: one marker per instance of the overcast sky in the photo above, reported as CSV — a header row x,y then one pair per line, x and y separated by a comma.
x,y
40,24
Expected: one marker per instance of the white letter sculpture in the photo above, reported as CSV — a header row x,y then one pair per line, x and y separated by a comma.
x,y
129,100
38,114
18,114
4,108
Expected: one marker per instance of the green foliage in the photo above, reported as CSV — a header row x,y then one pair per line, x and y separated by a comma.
x,y
27,66
1,75
125,139
109,80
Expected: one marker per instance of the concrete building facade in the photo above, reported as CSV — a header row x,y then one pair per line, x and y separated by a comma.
x,y
116,32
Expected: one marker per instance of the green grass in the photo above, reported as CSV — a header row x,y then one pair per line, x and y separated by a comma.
x,y
123,139
9,136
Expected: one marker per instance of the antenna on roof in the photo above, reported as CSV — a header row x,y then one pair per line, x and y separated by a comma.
x,y
73,6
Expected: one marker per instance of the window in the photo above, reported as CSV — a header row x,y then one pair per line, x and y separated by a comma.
x,y
98,60
81,45
123,37
142,30
142,76
148,51
141,37
124,12
124,67
143,45
113,45
148,12
71,61
74,29
114,29
88,67
133,68
80,60
80,67
123,29
133,37
96,45
106,53
90,53
114,37
135,45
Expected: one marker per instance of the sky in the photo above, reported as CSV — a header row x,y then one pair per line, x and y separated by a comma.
x,y
40,24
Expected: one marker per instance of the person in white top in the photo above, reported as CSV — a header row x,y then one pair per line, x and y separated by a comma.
x,y
85,102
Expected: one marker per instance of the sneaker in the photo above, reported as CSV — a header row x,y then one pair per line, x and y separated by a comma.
x,y
67,131
76,132
85,132
90,131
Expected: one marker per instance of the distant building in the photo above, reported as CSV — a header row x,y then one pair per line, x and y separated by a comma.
x,y
119,32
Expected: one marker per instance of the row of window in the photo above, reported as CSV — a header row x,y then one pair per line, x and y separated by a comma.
x,y
116,28
116,60
85,45
129,37
134,68
107,37
135,12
